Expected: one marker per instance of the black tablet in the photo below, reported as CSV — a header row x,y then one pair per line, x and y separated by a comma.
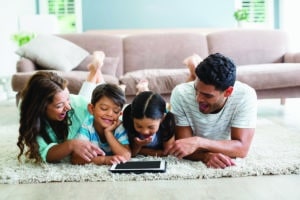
x,y
140,167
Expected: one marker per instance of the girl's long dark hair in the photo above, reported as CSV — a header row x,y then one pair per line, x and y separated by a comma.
x,y
148,105
36,96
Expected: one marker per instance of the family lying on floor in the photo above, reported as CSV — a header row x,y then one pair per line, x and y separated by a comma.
x,y
211,118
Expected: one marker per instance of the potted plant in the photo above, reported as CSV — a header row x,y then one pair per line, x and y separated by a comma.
x,y
241,15
22,38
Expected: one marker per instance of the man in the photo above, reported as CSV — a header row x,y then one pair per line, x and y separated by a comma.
x,y
215,114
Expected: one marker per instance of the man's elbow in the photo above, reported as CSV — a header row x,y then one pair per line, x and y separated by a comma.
x,y
242,153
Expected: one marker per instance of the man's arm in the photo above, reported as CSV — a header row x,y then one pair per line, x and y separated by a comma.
x,y
238,146
214,153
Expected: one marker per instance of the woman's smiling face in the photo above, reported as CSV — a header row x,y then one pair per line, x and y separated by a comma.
x,y
57,110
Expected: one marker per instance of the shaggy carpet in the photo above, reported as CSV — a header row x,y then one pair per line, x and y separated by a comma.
x,y
275,151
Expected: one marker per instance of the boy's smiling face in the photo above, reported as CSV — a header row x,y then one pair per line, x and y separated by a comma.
x,y
105,112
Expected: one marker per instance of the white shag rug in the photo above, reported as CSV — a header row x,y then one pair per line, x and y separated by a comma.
x,y
274,151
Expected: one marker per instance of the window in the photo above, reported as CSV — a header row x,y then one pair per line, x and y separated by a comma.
x,y
68,13
260,12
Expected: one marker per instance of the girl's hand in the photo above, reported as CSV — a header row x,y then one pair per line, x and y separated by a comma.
x,y
142,142
138,143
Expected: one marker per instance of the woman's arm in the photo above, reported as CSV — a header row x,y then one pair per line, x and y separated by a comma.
x,y
85,149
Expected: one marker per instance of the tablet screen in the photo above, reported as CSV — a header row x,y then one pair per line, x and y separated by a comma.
x,y
139,166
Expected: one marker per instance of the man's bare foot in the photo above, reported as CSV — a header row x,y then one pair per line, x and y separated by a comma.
x,y
191,62
142,86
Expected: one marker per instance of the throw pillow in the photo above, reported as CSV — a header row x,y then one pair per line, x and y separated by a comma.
x,y
109,67
53,52
160,80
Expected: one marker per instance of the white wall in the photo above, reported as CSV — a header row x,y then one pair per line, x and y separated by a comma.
x,y
9,25
290,16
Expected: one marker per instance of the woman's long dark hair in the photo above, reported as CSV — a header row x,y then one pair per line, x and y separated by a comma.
x,y
36,96
148,105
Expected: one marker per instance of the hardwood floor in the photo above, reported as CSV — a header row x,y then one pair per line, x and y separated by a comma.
x,y
262,187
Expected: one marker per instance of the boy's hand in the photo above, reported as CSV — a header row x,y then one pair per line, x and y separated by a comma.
x,y
112,127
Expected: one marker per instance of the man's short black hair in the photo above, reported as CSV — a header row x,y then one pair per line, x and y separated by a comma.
x,y
217,70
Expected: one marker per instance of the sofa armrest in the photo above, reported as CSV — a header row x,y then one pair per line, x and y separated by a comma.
x,y
25,65
292,57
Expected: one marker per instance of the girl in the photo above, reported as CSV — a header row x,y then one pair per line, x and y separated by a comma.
x,y
149,126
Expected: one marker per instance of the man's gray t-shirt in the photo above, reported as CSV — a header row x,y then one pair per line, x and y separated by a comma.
x,y
240,111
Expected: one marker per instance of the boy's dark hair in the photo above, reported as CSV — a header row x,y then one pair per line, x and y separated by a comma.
x,y
217,70
111,91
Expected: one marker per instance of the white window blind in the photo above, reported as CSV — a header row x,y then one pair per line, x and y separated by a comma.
x,y
68,13
256,9
260,12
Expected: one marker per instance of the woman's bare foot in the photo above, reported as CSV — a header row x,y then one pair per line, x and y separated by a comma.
x,y
95,66
98,61
191,62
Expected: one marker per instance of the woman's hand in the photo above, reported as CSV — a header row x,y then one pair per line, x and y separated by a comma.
x,y
86,149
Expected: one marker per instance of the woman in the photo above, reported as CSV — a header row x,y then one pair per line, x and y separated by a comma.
x,y
50,116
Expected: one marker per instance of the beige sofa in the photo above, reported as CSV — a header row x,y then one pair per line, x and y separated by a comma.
x,y
262,56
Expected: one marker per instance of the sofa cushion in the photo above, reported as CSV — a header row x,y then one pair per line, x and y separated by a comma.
x,y
161,81
25,65
247,47
75,79
159,50
270,76
52,52
110,44
110,65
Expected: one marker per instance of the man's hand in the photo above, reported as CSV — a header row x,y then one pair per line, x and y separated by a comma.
x,y
217,160
183,147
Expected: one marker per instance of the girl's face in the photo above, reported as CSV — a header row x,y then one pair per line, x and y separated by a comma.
x,y
57,110
105,112
146,126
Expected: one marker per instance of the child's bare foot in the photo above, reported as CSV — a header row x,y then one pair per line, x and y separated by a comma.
x,y
142,86
123,87
191,62
98,60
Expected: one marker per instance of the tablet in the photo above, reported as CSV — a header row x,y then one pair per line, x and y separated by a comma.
x,y
140,167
